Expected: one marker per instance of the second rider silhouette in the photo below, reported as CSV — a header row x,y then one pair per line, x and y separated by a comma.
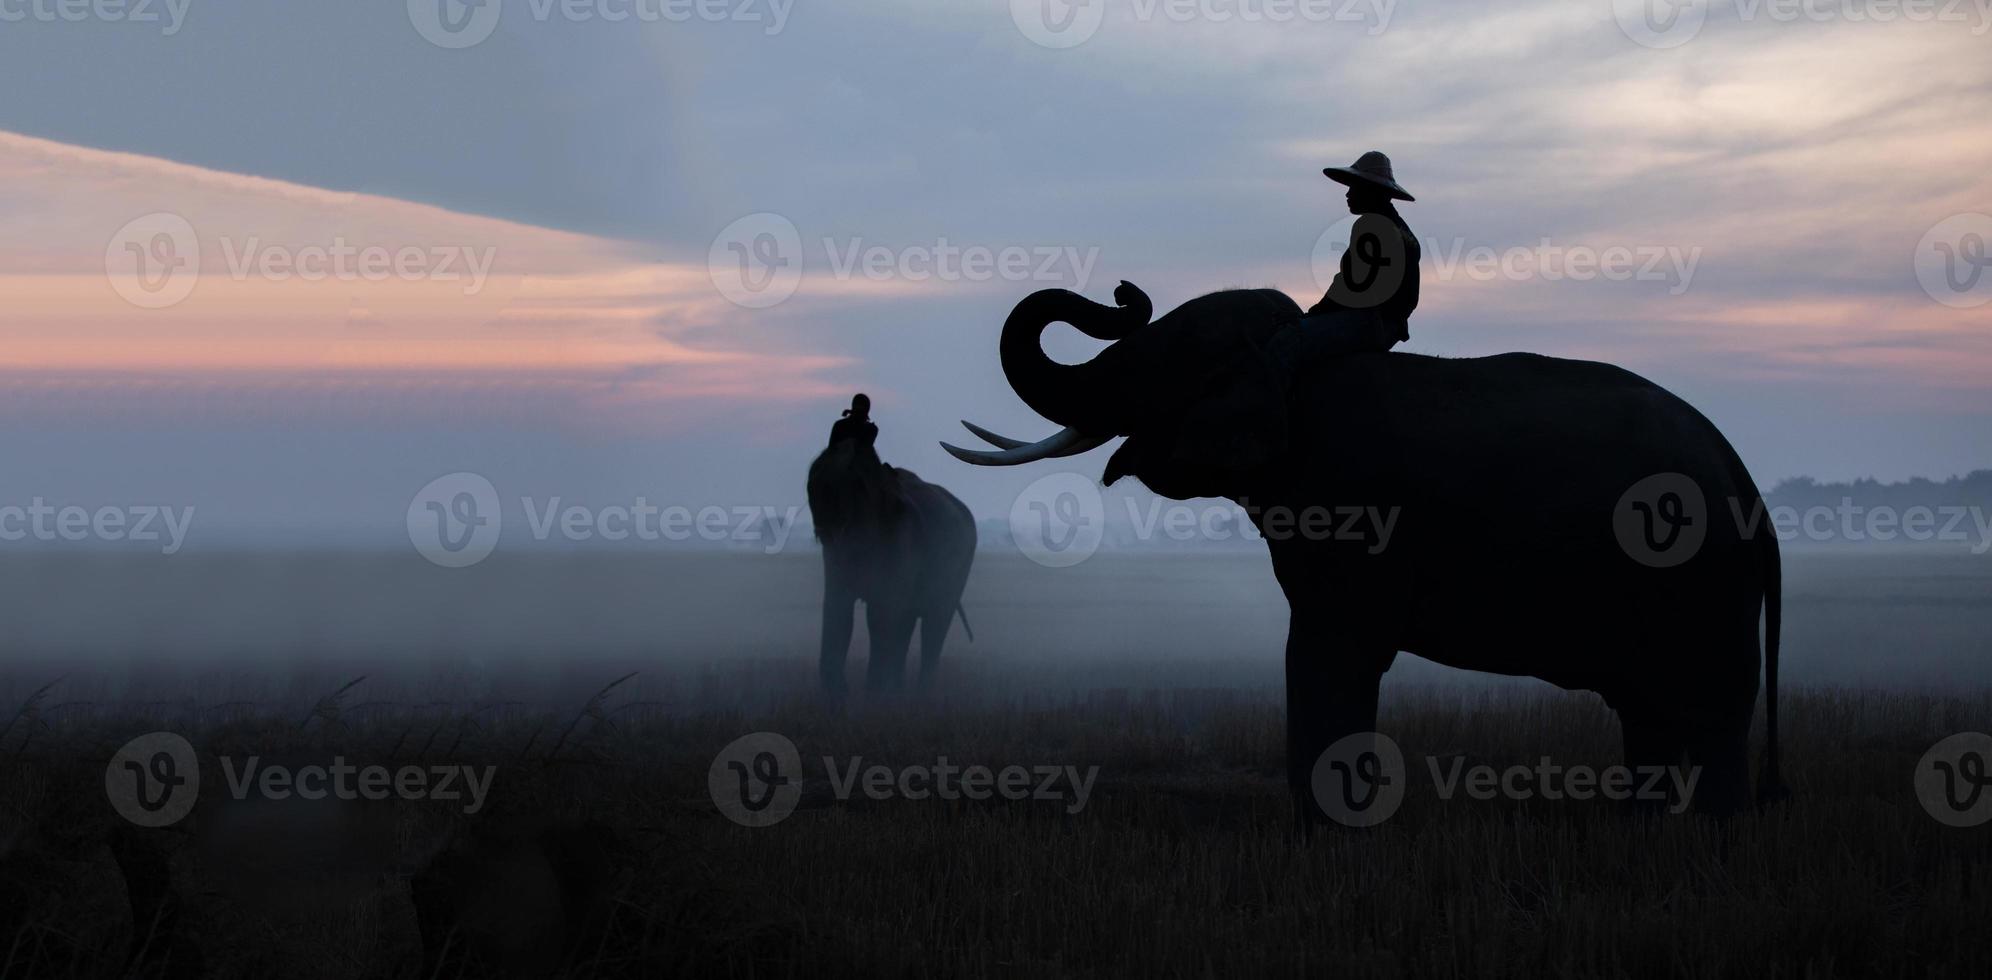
x,y
856,425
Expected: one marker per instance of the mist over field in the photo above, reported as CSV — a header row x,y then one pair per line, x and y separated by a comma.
x,y
520,620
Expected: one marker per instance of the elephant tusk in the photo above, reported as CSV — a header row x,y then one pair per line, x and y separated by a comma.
x,y
1000,442
1065,442
1057,445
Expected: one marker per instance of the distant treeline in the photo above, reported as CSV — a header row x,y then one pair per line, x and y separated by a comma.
x,y
1951,515
1803,492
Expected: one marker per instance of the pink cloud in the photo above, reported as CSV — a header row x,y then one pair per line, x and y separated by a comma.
x,y
492,309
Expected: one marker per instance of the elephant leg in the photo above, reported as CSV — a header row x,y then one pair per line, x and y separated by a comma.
x,y
1333,687
836,641
1720,757
891,633
933,633
1652,739
1718,722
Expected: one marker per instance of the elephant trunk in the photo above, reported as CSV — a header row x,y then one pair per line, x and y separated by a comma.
x,y
1085,396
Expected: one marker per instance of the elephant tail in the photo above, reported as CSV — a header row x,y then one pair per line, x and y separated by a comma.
x,y
963,613
1770,788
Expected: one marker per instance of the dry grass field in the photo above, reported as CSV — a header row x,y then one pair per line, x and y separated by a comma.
x,y
600,851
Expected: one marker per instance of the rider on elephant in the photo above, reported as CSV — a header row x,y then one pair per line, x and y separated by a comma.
x,y
857,428
856,425
1368,306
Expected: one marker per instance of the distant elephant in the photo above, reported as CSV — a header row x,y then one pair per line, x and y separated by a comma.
x,y
898,543
1504,476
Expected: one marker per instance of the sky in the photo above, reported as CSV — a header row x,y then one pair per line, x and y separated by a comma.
x,y
289,262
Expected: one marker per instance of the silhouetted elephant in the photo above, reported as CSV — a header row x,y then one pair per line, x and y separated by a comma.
x,y
900,544
1504,477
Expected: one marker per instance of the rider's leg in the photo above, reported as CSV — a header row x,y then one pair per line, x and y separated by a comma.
x,y
1330,334
1344,332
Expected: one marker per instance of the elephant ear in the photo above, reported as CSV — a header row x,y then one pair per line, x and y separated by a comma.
x,y
1234,424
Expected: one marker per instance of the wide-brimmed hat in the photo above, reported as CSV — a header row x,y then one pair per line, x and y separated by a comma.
x,y
1372,169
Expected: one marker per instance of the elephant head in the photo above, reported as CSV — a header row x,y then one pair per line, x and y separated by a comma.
x,y
850,493
1195,392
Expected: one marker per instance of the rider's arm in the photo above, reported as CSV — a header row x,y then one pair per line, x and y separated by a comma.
x,y
1328,304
